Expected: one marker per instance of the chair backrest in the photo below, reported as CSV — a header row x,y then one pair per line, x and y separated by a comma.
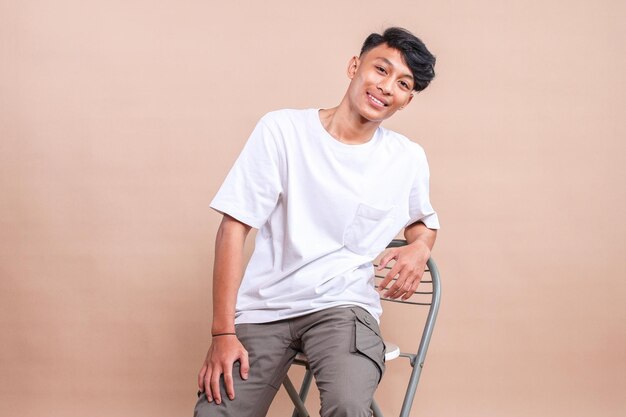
x,y
428,295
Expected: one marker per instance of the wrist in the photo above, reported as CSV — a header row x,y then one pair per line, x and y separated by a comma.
x,y
223,324
220,330
224,334
420,247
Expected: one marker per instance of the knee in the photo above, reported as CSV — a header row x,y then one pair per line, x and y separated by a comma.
x,y
346,406
202,407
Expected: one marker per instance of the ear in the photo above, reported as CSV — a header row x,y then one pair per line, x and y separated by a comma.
x,y
353,65
407,102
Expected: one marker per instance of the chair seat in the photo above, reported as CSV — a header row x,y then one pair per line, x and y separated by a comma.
x,y
392,351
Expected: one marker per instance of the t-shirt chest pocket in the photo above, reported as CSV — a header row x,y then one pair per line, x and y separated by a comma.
x,y
370,230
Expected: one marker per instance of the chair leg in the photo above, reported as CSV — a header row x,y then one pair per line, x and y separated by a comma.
x,y
304,392
299,398
411,388
300,410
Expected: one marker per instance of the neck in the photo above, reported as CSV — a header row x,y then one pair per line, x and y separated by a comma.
x,y
347,125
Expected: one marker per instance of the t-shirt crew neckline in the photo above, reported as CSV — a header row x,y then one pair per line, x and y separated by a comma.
x,y
344,146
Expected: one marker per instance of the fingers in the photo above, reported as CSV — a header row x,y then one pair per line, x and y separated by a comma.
x,y
399,272
386,258
244,368
210,376
228,383
211,385
411,290
207,385
399,286
214,383
201,377
405,285
244,365
389,277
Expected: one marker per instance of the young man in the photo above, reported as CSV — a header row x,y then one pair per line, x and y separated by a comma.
x,y
327,189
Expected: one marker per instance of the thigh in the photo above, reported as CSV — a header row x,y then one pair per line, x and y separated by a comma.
x,y
346,354
270,356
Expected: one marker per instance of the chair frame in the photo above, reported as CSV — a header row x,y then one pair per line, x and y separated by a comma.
x,y
416,360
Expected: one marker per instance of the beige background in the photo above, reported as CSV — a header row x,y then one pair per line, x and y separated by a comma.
x,y
119,120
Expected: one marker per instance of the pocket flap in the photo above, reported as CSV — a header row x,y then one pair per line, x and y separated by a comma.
x,y
368,341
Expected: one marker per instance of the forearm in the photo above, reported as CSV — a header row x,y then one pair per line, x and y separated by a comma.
x,y
227,273
418,234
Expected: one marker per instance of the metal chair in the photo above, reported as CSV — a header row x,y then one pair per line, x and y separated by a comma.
x,y
430,297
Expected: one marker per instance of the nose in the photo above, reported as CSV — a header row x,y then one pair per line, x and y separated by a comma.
x,y
385,85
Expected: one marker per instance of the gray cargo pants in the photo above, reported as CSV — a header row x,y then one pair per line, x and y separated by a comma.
x,y
345,352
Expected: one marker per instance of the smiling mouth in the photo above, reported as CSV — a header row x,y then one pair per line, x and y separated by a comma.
x,y
375,100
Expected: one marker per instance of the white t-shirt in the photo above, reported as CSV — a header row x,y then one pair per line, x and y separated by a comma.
x,y
324,210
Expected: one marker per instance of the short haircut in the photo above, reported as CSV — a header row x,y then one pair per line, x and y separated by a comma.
x,y
419,59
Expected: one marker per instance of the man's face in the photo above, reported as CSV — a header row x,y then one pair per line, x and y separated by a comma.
x,y
381,83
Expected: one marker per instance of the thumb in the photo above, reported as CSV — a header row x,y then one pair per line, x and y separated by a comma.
x,y
385,260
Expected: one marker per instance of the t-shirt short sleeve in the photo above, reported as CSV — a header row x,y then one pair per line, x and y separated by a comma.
x,y
251,189
420,208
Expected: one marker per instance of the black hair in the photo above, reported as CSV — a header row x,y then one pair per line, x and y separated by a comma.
x,y
419,59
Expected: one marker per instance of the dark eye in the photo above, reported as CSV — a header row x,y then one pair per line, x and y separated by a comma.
x,y
380,69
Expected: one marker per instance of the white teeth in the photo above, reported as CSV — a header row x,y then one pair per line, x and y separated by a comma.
x,y
375,100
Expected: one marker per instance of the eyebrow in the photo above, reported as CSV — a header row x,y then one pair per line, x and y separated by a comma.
x,y
388,62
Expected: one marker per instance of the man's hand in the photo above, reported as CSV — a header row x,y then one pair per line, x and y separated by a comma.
x,y
223,353
409,268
